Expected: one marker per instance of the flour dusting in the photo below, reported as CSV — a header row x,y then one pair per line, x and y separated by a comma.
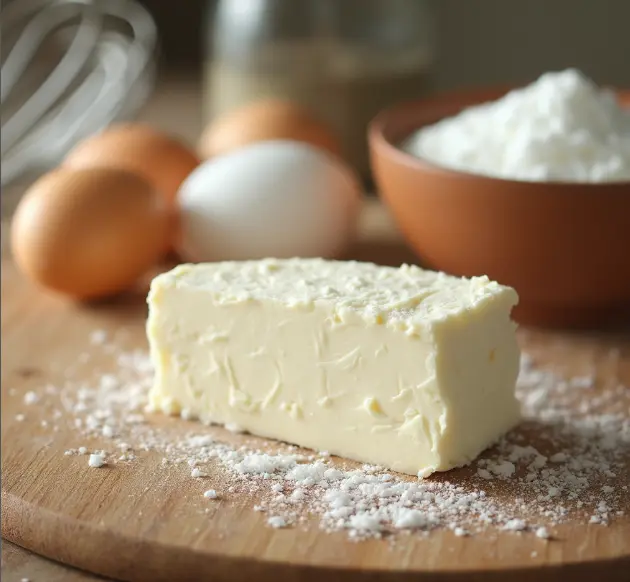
x,y
570,457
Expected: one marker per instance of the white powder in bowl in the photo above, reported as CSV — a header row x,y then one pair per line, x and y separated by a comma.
x,y
561,128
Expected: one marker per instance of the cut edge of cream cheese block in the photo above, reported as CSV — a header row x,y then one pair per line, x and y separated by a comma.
x,y
404,368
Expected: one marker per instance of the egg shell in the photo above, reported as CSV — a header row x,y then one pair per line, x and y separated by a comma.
x,y
271,199
264,120
159,158
89,233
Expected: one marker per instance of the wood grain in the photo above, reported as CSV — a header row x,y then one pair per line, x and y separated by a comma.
x,y
143,522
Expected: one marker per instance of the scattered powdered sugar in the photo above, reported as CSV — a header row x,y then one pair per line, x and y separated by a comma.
x,y
568,459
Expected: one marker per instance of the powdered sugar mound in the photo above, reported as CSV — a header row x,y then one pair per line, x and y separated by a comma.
x,y
569,458
562,127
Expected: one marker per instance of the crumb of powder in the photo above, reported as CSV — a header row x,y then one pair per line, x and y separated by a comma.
x,y
211,494
98,337
31,398
235,428
410,519
277,522
298,495
460,532
543,533
96,460
484,474
197,473
20,417
108,431
186,414
515,525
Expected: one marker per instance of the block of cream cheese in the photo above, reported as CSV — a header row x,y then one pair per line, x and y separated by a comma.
x,y
405,368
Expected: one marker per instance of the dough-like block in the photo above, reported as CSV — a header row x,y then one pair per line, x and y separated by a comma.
x,y
405,368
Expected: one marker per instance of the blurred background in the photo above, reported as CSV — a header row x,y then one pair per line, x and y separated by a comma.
x,y
181,64
477,42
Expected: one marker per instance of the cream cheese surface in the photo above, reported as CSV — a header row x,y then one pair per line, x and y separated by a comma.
x,y
405,368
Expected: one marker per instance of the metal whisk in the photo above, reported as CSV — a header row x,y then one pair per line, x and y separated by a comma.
x,y
103,73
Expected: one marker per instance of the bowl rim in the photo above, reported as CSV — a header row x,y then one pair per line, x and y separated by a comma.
x,y
456,101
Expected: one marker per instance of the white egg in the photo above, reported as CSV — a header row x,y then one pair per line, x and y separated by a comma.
x,y
270,199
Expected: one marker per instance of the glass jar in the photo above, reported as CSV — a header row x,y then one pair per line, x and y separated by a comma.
x,y
345,60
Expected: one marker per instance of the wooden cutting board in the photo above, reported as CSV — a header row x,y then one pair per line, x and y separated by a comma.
x,y
144,522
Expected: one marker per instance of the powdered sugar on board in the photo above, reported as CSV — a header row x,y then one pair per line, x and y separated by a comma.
x,y
568,460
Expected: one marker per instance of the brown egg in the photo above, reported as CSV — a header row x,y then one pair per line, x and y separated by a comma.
x,y
263,121
159,158
89,233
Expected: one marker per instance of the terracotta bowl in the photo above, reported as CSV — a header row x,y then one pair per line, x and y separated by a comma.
x,y
564,247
